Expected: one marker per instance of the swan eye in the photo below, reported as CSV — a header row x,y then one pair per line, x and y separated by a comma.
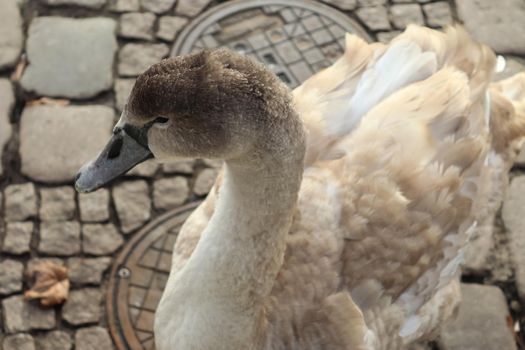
x,y
161,120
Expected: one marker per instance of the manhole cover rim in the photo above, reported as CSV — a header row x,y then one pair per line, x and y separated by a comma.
x,y
117,309
190,34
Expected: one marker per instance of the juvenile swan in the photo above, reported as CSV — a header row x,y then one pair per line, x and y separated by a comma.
x,y
343,210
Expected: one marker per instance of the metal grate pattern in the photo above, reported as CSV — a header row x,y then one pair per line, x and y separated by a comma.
x,y
294,39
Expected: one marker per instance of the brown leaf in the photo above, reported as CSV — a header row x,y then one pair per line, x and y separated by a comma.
x,y
49,283
46,101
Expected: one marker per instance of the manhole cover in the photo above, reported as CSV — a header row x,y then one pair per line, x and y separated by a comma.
x,y
293,38
138,279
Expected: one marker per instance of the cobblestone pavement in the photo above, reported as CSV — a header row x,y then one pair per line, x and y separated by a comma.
x,y
85,54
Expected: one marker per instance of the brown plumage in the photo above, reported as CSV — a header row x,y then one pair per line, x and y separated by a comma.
x,y
364,253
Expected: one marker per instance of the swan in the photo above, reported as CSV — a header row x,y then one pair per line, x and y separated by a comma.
x,y
341,215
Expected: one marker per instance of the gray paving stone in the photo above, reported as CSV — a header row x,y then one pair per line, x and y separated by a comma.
x,y
204,181
495,23
122,90
94,207
481,322
136,58
375,17
59,238
125,5
34,262
94,4
190,8
404,14
93,338
170,192
22,316
157,6
20,341
385,37
56,141
144,169
57,204
18,237
438,14
133,204
137,25
100,239
170,26
82,306
12,37
512,214
87,270
7,100
11,275
75,54
178,167
20,202
54,340
365,3
344,5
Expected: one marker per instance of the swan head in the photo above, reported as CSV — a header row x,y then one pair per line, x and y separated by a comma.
x,y
211,104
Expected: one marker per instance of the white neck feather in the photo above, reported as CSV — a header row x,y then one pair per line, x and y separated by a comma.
x,y
217,300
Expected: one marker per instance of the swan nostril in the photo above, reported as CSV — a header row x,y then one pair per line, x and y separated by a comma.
x,y
115,147
77,176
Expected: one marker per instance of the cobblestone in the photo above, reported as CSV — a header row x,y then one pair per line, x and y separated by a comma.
x,y
144,169
94,4
57,204
12,36
157,6
178,167
170,26
54,340
137,25
18,237
345,5
190,8
75,54
11,274
404,14
495,23
170,192
59,238
82,306
7,100
56,141
204,181
136,58
367,3
98,239
87,270
385,37
93,338
20,202
20,341
22,316
132,203
125,5
479,327
512,214
122,90
94,207
438,14
375,18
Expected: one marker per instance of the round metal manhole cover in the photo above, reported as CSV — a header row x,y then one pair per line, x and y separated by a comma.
x,y
138,278
294,38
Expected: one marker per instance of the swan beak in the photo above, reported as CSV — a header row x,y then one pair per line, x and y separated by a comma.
x,y
127,147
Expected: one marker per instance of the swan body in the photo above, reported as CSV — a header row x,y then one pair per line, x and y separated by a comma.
x,y
342,214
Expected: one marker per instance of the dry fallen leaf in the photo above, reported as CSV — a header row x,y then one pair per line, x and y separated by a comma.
x,y
19,70
49,283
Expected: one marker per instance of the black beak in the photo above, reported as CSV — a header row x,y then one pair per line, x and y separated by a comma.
x,y
127,147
